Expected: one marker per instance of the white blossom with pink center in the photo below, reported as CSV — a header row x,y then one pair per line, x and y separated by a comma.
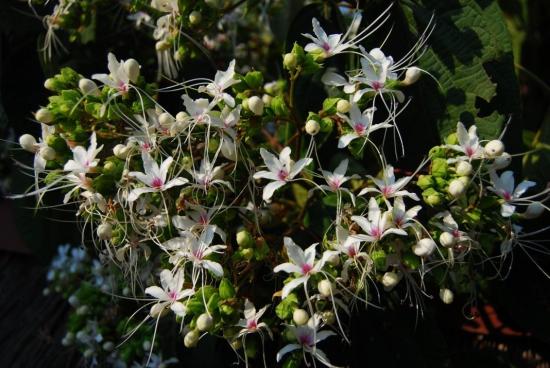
x,y
504,186
361,124
84,160
468,144
281,170
377,224
251,322
170,294
388,187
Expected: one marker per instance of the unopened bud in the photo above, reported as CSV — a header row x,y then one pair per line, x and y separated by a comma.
x,y
446,239
325,288
195,17
502,161
28,143
390,279
494,148
204,322
463,168
343,106
108,346
105,231
312,127
300,316
162,45
446,295
412,75
88,87
131,66
49,84
44,115
47,153
456,188
256,105
191,339
165,119
267,99
290,61
534,210
424,247
244,239
121,151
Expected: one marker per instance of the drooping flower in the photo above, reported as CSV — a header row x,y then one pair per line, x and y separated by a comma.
x,y
155,177
170,294
401,217
504,187
197,219
281,170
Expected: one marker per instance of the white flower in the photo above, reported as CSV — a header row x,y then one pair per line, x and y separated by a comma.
x,y
401,217
118,77
503,186
307,337
222,81
281,170
361,123
170,294
84,160
250,323
450,226
388,187
336,179
208,175
468,143
198,110
377,225
154,177
301,262
198,218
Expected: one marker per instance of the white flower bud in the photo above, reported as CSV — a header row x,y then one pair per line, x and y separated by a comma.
x,y
390,279
47,153
88,353
494,148
256,105
121,151
126,291
108,346
49,84
28,143
333,259
88,87
181,116
165,119
465,180
162,45
44,115
343,106
502,161
534,210
290,61
158,310
325,288
424,247
195,18
131,67
82,310
105,231
266,99
446,239
446,295
270,87
412,75
73,300
204,322
312,127
456,188
300,317
463,168
191,339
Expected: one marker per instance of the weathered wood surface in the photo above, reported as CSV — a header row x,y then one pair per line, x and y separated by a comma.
x,y
31,325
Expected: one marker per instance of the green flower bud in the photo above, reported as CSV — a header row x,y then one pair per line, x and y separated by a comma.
x,y
439,167
432,197
425,182
279,106
215,4
195,18
247,253
244,239
343,106
326,125
226,289
451,139
254,79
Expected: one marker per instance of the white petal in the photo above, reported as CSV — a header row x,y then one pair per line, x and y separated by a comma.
x,y
270,188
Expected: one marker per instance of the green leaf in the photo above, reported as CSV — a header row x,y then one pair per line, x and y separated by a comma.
x,y
470,54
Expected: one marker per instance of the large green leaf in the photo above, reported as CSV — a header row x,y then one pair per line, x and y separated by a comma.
x,y
470,54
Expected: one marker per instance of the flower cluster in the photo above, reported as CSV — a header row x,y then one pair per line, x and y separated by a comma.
x,y
199,206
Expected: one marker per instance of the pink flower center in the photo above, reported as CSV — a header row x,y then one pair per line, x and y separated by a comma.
x,y
251,324
326,46
470,151
282,175
352,252
335,184
387,191
507,196
198,254
375,232
456,233
203,219
123,87
306,268
377,85
359,128
157,183
173,295
306,340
